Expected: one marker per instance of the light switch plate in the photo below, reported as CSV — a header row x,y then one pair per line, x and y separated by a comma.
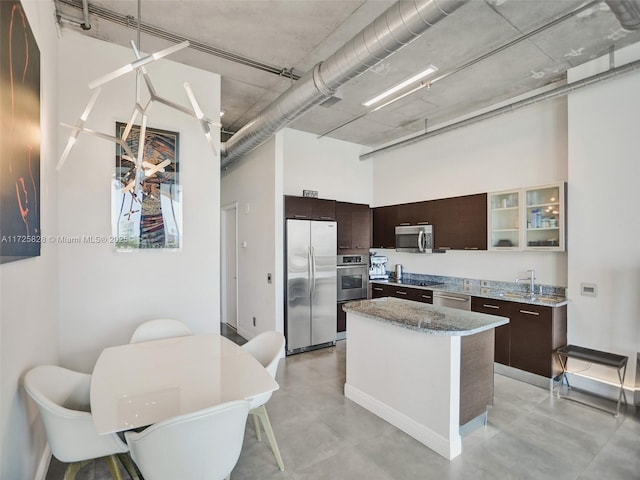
x,y
588,289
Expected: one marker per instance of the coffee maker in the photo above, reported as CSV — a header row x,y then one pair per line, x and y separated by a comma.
x,y
377,270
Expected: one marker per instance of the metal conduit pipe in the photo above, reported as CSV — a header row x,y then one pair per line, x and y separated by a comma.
x,y
86,25
556,92
402,23
627,12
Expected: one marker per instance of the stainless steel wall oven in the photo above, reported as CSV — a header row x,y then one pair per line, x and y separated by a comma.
x,y
353,277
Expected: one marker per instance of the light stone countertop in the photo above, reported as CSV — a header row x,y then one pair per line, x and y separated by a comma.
x,y
476,291
424,317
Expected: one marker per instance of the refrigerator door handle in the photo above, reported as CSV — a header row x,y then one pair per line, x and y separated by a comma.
x,y
313,270
309,272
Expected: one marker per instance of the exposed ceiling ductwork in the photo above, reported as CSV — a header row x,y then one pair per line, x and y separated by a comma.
x,y
399,25
627,12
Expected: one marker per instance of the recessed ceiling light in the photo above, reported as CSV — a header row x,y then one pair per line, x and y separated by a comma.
x,y
418,76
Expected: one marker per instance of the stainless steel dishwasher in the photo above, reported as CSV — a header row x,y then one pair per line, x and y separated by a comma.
x,y
452,300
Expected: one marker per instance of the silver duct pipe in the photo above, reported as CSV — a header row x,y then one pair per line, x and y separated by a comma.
x,y
556,92
627,12
399,25
86,25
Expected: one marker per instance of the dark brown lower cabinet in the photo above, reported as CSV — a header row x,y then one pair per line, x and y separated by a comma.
x,y
502,333
476,375
532,336
342,318
409,293
536,333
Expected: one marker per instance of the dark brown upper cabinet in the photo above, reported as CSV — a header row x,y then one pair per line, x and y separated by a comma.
x,y
460,223
385,220
306,208
354,227
416,213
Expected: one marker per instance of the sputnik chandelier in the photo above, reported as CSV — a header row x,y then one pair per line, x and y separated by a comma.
x,y
143,169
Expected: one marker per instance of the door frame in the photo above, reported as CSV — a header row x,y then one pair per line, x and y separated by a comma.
x,y
226,211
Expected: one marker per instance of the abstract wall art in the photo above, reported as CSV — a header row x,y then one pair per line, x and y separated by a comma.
x,y
20,235
147,206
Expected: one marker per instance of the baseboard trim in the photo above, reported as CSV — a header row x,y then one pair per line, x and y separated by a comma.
x,y
449,449
43,464
527,377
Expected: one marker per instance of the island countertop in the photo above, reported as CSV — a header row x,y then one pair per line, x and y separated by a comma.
x,y
424,317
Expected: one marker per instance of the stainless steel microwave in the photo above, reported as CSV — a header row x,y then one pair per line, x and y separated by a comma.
x,y
414,238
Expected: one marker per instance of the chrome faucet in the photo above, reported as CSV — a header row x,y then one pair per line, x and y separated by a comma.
x,y
531,278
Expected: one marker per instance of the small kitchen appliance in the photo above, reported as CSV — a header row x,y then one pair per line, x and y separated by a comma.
x,y
377,269
414,238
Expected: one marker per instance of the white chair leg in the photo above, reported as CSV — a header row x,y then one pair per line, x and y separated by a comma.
x,y
261,412
256,423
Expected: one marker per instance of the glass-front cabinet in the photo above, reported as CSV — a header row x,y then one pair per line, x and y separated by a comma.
x,y
504,220
531,218
545,217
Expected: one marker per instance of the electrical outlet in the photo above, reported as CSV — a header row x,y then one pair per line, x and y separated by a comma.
x,y
268,278
254,321
467,283
484,283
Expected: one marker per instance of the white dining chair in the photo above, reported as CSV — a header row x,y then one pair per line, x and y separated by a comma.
x,y
159,328
203,445
267,349
62,398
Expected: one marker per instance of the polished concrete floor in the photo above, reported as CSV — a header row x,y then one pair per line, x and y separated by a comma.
x,y
529,435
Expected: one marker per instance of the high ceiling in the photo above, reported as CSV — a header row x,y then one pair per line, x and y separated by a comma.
x,y
274,40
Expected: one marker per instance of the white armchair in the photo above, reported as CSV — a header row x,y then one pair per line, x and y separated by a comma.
x,y
201,445
266,348
62,398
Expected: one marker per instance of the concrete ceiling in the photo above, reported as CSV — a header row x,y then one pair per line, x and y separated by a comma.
x,y
287,37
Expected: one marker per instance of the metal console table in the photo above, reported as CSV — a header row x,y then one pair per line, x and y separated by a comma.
x,y
619,362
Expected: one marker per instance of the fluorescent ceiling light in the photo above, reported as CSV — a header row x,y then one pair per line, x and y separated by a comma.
x,y
428,71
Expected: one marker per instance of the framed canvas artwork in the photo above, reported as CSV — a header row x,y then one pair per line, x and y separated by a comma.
x,y
20,235
149,216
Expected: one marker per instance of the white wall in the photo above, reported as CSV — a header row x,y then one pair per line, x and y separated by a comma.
x,y
519,149
104,294
603,211
29,288
331,167
254,184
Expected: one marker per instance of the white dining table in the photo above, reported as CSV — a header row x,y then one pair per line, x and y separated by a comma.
x,y
139,384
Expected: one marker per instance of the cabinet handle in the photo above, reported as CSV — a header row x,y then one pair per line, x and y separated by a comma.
x,y
471,248
428,297
344,246
529,312
423,223
299,216
326,218
378,289
405,223
444,248
401,293
491,306
358,246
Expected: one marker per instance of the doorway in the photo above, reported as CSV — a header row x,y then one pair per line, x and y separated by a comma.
x,y
229,266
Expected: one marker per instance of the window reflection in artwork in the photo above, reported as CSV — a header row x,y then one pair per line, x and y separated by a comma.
x,y
150,216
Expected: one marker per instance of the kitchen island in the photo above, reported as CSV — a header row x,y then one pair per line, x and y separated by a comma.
x,y
425,369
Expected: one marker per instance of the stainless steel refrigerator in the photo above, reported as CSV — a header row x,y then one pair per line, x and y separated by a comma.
x,y
311,288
